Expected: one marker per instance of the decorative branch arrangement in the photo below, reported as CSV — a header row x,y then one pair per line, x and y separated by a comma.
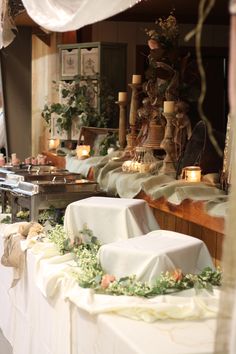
x,y
162,121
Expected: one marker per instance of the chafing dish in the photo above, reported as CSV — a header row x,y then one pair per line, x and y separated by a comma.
x,y
39,173
11,181
59,192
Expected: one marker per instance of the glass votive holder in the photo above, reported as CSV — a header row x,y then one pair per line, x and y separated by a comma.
x,y
82,151
191,174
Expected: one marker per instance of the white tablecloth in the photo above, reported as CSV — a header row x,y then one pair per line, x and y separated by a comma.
x,y
109,334
110,219
158,251
34,324
31,323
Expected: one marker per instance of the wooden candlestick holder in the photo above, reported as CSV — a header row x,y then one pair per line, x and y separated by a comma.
x,y
167,144
132,137
122,123
134,103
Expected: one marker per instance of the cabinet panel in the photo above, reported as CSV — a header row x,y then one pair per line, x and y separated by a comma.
x,y
102,62
88,59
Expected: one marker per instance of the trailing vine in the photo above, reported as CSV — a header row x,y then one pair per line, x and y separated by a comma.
x,y
91,275
86,100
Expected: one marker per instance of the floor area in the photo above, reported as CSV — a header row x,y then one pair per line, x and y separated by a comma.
x,y
5,347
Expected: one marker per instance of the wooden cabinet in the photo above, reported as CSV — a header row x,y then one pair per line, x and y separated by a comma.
x,y
108,60
100,69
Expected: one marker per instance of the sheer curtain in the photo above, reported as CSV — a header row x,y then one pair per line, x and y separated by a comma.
x,y
226,324
67,15
6,25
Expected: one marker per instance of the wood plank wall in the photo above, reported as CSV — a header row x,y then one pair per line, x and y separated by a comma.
x,y
212,239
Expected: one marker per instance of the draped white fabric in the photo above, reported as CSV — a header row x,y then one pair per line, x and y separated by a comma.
x,y
6,25
226,330
62,16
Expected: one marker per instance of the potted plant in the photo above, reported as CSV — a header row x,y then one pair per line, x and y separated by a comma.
x,y
86,101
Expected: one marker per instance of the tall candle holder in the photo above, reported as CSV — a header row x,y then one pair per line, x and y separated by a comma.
x,y
132,137
122,123
167,144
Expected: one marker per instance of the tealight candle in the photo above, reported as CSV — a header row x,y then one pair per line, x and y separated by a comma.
x,y
122,96
136,79
192,174
53,144
83,151
169,106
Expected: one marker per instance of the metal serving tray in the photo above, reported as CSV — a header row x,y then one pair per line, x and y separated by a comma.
x,y
40,195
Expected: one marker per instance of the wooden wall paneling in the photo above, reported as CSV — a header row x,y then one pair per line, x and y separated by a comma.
x,y
195,230
104,31
69,37
219,248
84,35
170,222
209,237
44,72
165,221
127,34
16,80
160,217
212,239
181,226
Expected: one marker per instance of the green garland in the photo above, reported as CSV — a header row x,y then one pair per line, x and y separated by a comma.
x,y
91,275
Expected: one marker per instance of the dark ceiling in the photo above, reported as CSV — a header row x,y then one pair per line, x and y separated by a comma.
x,y
186,11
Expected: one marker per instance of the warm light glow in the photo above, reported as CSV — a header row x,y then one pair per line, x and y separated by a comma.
x,y
126,166
53,144
192,174
82,151
122,96
136,79
169,106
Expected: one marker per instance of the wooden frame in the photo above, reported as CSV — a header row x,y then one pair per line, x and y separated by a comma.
x,y
89,61
69,62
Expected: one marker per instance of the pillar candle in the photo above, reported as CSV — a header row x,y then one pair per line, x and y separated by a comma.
x,y
122,96
136,79
169,106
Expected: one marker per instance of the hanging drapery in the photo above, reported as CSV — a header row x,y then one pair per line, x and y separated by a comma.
x,y
6,25
226,325
62,16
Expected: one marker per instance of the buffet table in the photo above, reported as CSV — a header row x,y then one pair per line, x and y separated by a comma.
x,y
40,317
111,219
196,209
